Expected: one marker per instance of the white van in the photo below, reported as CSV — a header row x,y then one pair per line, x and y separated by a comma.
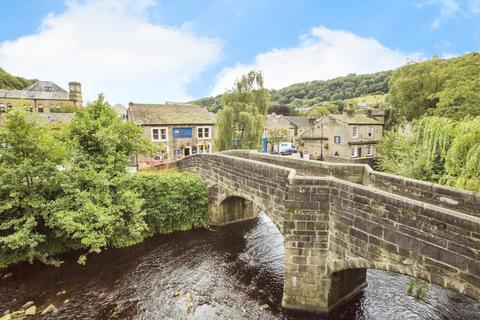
x,y
285,148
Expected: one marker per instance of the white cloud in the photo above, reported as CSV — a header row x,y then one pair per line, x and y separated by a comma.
x,y
110,47
322,54
452,8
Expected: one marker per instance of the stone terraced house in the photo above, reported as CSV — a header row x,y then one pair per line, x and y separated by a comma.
x,y
343,137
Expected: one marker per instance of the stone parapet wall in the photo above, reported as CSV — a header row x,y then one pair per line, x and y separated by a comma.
x,y
402,235
443,196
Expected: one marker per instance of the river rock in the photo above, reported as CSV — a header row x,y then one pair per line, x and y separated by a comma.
x,y
61,292
28,304
50,308
6,317
31,311
6,312
264,306
8,275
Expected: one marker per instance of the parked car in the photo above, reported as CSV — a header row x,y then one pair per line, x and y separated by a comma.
x,y
286,148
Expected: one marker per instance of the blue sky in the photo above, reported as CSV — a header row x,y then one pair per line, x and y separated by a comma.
x,y
153,51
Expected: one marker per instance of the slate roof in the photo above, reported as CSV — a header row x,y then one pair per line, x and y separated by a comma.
x,y
277,122
299,122
166,114
356,119
38,90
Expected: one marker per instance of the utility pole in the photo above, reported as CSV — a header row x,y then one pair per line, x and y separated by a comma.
x,y
321,142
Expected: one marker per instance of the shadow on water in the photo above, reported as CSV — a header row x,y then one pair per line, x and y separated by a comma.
x,y
232,272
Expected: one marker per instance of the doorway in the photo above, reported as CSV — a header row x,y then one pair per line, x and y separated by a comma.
x,y
187,151
359,152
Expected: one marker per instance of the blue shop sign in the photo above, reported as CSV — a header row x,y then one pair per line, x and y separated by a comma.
x,y
180,133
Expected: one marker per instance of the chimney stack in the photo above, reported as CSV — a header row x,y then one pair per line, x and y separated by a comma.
x,y
349,112
75,94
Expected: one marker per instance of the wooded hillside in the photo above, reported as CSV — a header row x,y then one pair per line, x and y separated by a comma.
x,y
309,94
9,82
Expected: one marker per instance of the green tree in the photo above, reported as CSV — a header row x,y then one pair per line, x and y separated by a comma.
x,y
29,178
441,150
99,206
277,135
444,88
240,124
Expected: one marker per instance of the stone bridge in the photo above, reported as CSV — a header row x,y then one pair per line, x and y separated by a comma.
x,y
340,219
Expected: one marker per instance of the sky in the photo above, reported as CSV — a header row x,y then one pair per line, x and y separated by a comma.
x,y
152,51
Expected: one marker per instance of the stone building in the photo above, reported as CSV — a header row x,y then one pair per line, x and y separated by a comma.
x,y
44,97
343,137
295,125
178,129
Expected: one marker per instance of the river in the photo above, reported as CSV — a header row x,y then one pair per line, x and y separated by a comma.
x,y
230,272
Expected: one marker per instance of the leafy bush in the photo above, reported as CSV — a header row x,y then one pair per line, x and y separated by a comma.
x,y
173,201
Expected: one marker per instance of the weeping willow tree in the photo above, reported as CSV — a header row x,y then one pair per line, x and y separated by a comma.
x,y
240,124
441,150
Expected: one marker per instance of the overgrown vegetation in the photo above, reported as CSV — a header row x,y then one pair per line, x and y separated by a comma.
x,y
67,188
418,289
441,150
9,82
439,99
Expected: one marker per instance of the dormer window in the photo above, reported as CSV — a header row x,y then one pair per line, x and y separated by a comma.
x,y
48,88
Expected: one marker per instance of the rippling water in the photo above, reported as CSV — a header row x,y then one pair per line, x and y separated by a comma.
x,y
232,272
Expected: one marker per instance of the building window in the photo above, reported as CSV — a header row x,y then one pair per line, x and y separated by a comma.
x,y
40,109
371,132
159,134
203,132
336,139
3,108
324,131
353,152
48,89
355,132
369,150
